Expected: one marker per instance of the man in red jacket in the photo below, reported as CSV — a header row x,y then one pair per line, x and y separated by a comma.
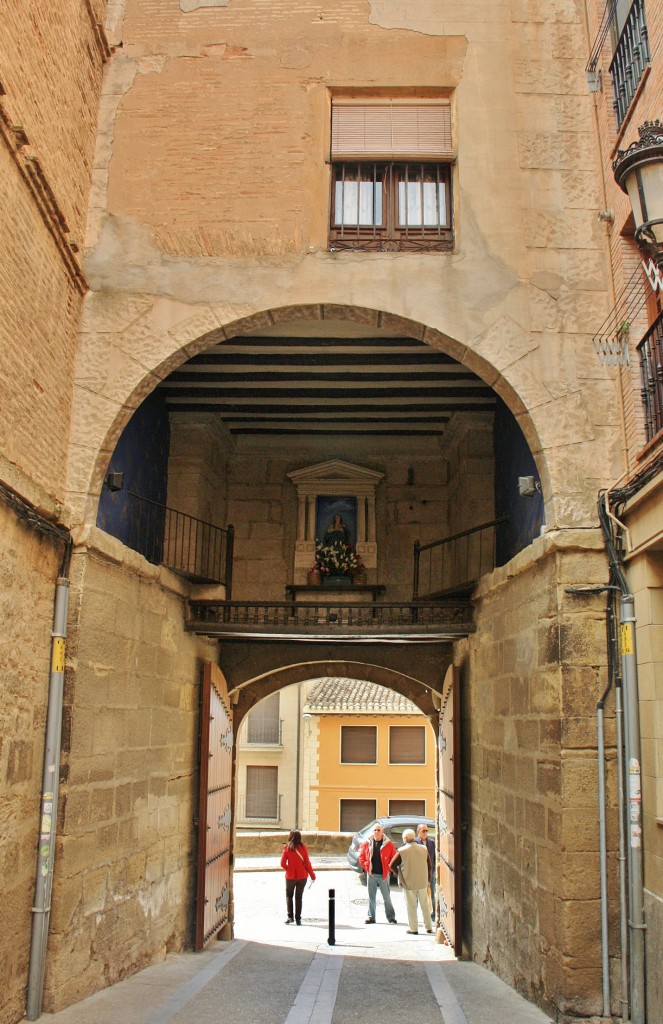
x,y
374,857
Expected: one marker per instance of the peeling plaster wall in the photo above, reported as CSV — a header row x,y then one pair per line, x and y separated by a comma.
x,y
211,193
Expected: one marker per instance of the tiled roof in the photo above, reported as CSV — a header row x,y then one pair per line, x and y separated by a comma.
x,y
339,694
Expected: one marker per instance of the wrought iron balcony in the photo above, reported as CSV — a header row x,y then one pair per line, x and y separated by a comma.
x,y
190,547
455,564
650,351
630,59
329,619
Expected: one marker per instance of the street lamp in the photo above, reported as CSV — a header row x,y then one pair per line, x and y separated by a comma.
x,y
638,171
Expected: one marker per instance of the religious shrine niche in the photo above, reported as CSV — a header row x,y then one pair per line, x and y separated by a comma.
x,y
336,504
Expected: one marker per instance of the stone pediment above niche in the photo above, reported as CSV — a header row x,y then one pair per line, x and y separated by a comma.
x,y
343,474
334,487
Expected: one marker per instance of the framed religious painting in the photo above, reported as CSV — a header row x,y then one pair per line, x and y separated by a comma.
x,y
335,519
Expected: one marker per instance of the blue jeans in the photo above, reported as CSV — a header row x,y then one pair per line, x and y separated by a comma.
x,y
432,894
373,883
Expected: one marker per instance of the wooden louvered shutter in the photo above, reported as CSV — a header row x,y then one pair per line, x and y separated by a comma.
x,y
407,744
391,130
262,798
358,744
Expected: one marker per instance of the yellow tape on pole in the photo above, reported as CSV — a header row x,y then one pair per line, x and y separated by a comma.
x,y
57,658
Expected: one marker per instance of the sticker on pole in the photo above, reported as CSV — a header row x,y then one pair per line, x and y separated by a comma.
x,y
627,638
57,660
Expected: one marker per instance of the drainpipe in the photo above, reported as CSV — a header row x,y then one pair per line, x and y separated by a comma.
x,y
634,796
632,783
49,798
600,732
603,868
28,514
623,911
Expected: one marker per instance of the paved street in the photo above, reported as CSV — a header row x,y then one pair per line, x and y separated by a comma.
x,y
273,973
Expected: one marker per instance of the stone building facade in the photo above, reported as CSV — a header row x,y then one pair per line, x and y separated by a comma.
x,y
166,191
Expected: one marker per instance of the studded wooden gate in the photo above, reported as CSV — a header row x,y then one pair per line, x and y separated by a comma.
x,y
213,890
449,831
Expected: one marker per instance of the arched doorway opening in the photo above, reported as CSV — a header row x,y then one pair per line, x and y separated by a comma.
x,y
370,753
513,666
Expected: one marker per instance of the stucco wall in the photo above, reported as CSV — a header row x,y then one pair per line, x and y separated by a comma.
x,y
200,225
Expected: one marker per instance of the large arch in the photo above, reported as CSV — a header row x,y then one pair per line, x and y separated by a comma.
x,y
126,353
254,670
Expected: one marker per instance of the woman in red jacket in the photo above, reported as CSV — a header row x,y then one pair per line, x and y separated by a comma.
x,y
297,866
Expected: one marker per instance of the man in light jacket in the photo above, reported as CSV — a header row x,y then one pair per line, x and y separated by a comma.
x,y
414,862
423,838
374,857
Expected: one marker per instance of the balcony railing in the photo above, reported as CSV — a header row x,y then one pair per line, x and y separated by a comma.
x,y
329,619
453,565
187,546
264,734
650,351
630,59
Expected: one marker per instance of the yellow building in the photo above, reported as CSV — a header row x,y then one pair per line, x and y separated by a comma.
x,y
375,756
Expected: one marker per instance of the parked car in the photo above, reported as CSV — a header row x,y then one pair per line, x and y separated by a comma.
x,y
393,827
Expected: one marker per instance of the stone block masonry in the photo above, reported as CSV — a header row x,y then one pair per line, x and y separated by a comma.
x,y
126,844
532,880
28,566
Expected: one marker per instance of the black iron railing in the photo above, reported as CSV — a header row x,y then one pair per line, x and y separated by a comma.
x,y
311,617
187,546
630,59
650,351
454,564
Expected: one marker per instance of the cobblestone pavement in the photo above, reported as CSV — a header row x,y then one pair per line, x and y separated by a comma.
x,y
273,973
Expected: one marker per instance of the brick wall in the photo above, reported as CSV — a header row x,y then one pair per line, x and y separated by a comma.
x,y
51,76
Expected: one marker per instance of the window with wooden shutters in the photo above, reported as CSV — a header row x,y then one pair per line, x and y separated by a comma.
x,y
359,744
354,814
262,797
416,808
407,744
391,177
264,723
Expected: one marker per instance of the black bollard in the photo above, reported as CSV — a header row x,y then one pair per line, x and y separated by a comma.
x,y
331,941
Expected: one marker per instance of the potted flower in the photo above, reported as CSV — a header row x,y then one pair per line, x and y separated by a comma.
x,y
337,564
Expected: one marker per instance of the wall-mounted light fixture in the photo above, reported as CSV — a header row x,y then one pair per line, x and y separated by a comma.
x,y
528,486
114,481
638,171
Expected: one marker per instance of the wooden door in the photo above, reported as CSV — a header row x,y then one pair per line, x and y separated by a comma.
x,y
214,822
448,824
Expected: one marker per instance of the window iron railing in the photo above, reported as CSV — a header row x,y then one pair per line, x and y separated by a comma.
x,y
266,734
456,563
650,351
190,547
630,59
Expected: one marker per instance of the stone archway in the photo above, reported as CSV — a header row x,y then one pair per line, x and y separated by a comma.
x,y
527,672
254,670
129,345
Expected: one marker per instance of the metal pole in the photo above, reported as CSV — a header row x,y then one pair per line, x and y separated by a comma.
x,y
633,768
49,805
331,941
603,869
623,903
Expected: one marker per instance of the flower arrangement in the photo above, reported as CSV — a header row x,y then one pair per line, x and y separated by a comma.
x,y
337,560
